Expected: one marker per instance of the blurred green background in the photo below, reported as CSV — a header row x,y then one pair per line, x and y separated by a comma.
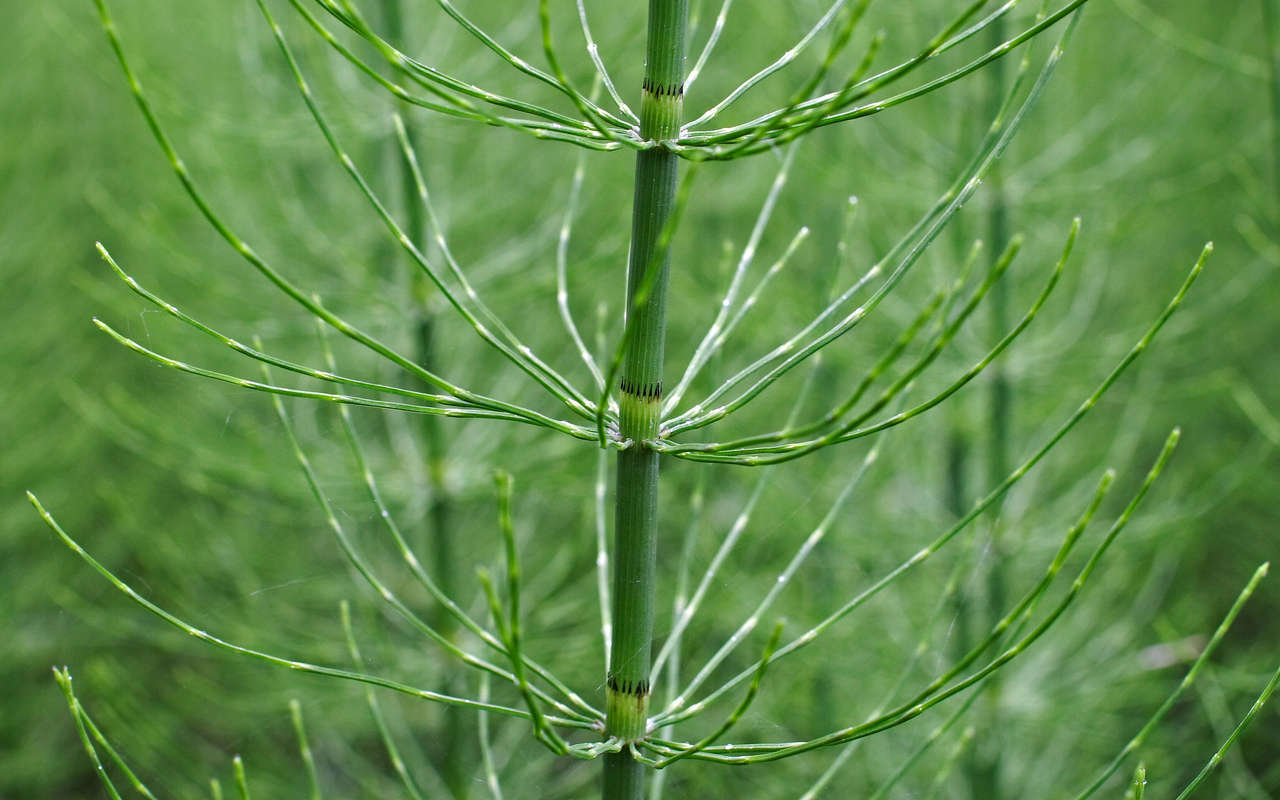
x,y
1159,131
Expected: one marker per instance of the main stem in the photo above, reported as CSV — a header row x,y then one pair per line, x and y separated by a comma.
x,y
636,510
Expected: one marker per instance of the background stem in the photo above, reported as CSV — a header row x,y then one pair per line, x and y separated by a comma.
x,y
983,768
451,756
1270,21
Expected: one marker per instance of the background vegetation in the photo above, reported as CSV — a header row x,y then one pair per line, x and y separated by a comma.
x,y
1158,131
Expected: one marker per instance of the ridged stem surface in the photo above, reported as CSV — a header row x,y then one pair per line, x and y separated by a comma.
x,y
640,401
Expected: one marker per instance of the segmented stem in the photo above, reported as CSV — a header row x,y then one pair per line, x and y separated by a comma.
x,y
636,510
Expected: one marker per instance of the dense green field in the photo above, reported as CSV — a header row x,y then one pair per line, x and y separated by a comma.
x,y
1158,130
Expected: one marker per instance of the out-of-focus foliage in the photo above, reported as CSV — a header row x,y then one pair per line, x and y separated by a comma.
x,y
186,489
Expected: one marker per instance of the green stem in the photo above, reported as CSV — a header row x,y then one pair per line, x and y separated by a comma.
x,y
636,511
1271,27
998,222
983,766
451,758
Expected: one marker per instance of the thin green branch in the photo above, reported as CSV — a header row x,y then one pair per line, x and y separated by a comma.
x,y
690,607
384,591
999,491
593,50
257,262
266,358
514,635
752,690
791,54
557,127
1183,685
1025,607
85,727
1217,757
415,564
433,223
1138,787
1014,477
304,748
906,252
562,267
375,708
520,64
672,714
486,749
835,415
1204,49
583,104
713,39
297,666
242,780
749,452
519,355
918,705
944,601
838,44
703,352
752,299
258,386
702,144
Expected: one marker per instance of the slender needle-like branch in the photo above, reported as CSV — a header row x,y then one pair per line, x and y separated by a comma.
x,y
514,629
786,58
752,690
919,705
86,728
1217,757
242,780
585,106
713,39
375,708
257,262
1183,685
779,584
593,50
1010,480
486,749
384,591
906,253
415,564
703,352
519,355
297,666
488,41
549,125
562,269
304,748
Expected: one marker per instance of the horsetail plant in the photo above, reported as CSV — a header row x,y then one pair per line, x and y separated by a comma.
x,y
629,411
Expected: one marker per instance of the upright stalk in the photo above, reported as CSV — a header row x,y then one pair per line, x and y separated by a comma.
x,y
636,510
984,766
450,754
1271,28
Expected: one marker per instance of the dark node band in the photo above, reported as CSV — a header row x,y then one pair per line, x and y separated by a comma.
x,y
636,688
650,391
659,90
